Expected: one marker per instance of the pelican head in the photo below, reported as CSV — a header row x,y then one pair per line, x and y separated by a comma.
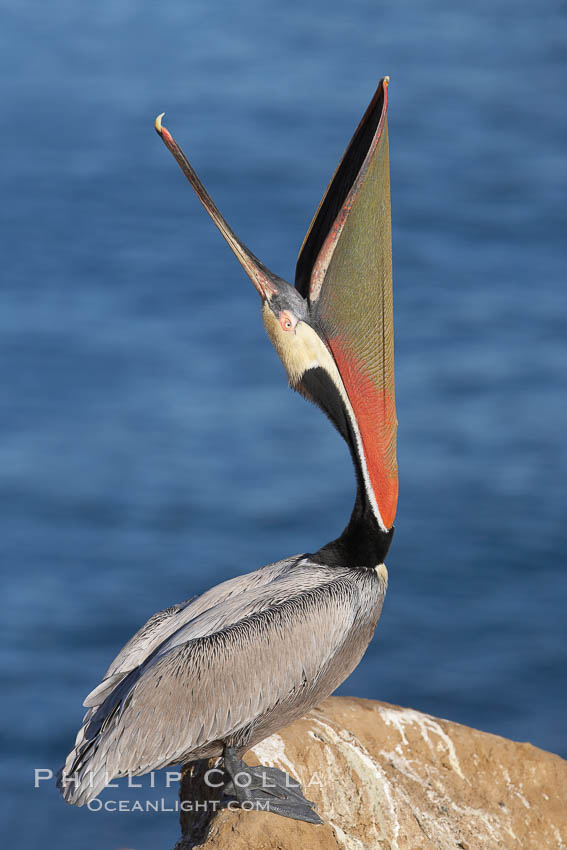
x,y
333,330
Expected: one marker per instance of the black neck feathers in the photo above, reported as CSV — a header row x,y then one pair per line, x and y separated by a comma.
x,y
363,543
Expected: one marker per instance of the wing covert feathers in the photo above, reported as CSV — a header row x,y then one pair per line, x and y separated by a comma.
x,y
296,638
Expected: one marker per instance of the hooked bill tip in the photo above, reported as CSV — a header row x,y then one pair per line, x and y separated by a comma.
x,y
157,122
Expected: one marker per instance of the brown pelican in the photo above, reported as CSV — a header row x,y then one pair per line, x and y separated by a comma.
x,y
216,674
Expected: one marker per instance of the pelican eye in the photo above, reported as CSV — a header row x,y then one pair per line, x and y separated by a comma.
x,y
287,321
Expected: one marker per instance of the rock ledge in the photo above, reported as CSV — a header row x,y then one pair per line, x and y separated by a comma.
x,y
390,778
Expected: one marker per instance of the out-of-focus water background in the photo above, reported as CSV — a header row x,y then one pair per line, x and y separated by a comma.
x,y
149,445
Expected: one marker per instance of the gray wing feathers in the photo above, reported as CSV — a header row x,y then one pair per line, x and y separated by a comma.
x,y
267,644
126,668
133,653
208,689
147,638
165,623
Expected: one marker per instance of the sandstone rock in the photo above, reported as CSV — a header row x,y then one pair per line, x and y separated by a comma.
x,y
390,778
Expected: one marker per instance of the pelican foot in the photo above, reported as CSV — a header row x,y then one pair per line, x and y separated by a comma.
x,y
266,789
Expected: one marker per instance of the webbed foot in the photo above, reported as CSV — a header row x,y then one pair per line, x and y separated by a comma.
x,y
267,789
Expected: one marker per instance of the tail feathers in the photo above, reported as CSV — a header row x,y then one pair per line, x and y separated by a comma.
x,y
84,775
92,764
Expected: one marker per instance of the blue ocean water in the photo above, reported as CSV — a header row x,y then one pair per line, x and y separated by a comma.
x,y
149,446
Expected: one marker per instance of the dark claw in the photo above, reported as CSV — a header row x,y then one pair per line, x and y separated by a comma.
x,y
296,811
